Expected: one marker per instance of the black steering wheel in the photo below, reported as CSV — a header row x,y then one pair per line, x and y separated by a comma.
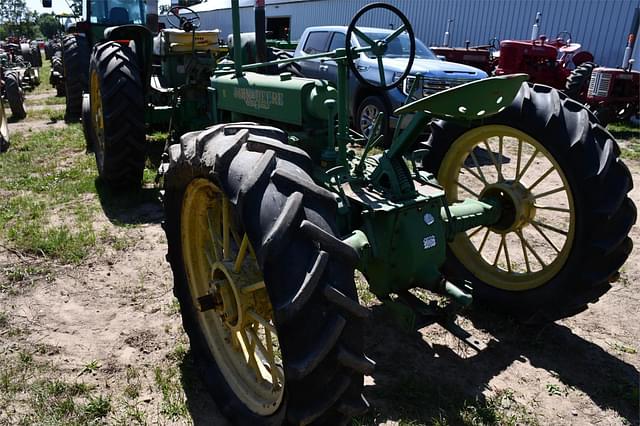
x,y
561,35
184,23
379,47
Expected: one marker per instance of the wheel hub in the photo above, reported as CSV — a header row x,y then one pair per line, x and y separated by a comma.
x,y
517,204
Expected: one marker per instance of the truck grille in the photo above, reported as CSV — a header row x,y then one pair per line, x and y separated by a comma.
x,y
599,84
432,85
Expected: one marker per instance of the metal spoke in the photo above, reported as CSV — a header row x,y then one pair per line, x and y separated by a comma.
x,y
383,81
467,189
519,159
555,209
364,37
484,240
537,228
535,253
478,229
526,166
524,250
549,227
265,355
541,178
553,191
253,287
475,160
215,240
263,322
495,261
394,34
248,347
500,141
472,173
494,161
506,252
242,252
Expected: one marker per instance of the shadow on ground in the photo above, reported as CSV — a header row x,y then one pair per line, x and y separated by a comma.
x,y
134,205
419,382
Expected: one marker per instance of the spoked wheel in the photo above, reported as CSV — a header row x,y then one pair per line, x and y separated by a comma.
x,y
563,232
266,291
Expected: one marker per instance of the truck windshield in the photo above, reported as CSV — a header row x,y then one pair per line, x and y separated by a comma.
x,y
118,12
399,47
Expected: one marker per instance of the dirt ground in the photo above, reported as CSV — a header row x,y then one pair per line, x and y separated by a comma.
x,y
110,324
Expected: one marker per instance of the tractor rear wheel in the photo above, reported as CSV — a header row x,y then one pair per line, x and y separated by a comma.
x,y
563,234
56,65
15,95
265,288
75,61
117,115
578,81
4,129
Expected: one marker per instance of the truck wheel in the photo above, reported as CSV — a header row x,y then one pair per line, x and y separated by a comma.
x,y
578,81
75,61
15,95
265,288
563,234
117,115
4,129
368,110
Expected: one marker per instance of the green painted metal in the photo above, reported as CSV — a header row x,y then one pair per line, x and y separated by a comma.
x,y
471,101
279,98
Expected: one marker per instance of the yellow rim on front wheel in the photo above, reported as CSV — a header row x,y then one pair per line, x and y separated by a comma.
x,y
533,239
229,294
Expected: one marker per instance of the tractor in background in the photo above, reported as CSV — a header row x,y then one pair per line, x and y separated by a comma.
x,y
517,201
19,73
613,94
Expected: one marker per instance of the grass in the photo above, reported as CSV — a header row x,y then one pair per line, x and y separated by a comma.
x,y
629,137
174,404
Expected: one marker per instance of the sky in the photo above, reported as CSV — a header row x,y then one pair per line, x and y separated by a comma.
x,y
59,6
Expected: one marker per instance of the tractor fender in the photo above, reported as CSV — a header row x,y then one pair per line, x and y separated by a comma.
x,y
142,38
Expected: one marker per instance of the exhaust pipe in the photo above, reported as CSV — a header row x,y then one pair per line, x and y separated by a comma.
x,y
261,33
536,28
445,42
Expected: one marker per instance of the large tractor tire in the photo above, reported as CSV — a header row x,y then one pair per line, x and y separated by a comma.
x,y
87,125
36,57
265,288
75,61
56,66
4,129
15,95
578,81
563,234
117,115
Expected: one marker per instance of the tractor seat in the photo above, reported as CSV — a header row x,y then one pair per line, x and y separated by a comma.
x,y
118,16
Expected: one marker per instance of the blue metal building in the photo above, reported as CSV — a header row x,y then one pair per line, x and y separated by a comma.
x,y
601,26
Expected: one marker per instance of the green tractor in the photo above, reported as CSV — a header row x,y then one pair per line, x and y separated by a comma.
x,y
518,201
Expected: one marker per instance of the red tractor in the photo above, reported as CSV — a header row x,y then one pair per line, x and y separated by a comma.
x,y
613,94
546,62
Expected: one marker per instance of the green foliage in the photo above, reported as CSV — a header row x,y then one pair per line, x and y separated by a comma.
x,y
17,20
49,25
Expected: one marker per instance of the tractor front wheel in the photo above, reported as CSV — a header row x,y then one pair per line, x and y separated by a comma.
x,y
578,81
15,95
265,288
117,132
566,216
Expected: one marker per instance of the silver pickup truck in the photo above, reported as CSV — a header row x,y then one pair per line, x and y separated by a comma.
x,y
366,103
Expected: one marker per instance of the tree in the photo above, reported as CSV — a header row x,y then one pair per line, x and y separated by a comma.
x,y
49,25
17,20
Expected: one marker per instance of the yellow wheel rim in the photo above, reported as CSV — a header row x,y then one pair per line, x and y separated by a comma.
x,y
533,241
97,116
229,295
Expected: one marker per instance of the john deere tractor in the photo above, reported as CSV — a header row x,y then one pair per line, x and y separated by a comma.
x,y
517,201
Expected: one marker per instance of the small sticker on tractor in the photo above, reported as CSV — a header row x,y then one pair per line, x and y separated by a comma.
x,y
429,242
